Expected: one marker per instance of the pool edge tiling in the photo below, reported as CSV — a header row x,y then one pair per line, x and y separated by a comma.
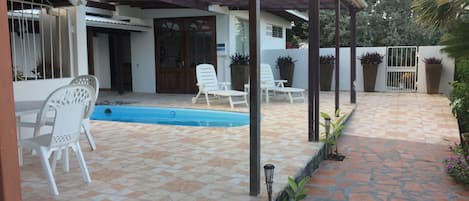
x,y
162,162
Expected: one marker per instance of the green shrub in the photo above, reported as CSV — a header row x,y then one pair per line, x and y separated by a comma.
x,y
459,96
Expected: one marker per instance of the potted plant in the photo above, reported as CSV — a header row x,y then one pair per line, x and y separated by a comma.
x,y
370,62
286,66
239,71
326,67
433,73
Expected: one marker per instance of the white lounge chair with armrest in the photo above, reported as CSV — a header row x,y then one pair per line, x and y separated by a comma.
x,y
208,85
268,83
68,104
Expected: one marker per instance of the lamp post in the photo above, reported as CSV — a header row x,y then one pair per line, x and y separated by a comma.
x,y
327,126
269,178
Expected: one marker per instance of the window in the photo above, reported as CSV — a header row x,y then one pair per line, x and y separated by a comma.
x,y
274,31
242,36
39,41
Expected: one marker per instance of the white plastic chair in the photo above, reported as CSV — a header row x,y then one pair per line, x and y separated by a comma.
x,y
268,83
68,104
91,81
208,85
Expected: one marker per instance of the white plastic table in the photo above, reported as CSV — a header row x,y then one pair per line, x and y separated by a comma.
x,y
23,108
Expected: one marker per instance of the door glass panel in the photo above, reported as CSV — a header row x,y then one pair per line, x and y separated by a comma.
x,y
200,48
171,40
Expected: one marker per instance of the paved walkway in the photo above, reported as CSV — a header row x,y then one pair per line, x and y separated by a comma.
x,y
395,145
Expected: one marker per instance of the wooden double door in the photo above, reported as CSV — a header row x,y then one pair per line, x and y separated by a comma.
x,y
181,44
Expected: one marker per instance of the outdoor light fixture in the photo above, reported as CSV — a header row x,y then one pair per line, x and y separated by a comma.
x,y
269,178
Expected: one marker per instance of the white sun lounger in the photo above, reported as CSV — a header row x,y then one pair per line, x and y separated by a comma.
x,y
268,83
208,85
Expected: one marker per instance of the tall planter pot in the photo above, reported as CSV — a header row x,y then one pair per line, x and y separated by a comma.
x,y
433,74
286,73
239,76
369,76
325,80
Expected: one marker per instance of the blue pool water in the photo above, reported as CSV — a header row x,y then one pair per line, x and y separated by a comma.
x,y
170,116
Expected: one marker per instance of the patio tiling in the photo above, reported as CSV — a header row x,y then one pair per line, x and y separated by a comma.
x,y
160,162
395,146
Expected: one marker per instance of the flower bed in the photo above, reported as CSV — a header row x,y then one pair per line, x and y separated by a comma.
x,y
457,166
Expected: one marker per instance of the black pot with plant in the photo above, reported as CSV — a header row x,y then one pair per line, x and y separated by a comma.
x,y
432,74
370,62
286,65
326,67
239,71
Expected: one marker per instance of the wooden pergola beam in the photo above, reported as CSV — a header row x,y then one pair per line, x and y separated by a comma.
x,y
10,188
353,56
254,99
337,56
313,71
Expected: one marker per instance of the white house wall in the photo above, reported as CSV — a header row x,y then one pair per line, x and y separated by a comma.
x,y
102,66
447,73
143,50
143,60
301,67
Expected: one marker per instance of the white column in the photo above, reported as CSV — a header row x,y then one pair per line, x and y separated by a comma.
x,y
79,48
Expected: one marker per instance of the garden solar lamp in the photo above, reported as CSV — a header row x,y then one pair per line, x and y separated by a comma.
x,y
327,126
269,178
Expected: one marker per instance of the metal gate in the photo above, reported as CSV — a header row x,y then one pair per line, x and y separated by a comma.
x,y
401,69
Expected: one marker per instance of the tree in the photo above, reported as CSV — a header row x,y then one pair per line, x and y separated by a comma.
x,y
382,23
451,16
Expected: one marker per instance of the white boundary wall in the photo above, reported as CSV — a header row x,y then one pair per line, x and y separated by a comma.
x,y
301,74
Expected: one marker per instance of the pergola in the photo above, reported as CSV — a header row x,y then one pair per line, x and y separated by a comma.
x,y
9,170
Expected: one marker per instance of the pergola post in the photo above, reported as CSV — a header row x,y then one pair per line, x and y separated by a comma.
x,y
254,99
353,56
337,55
313,71
10,188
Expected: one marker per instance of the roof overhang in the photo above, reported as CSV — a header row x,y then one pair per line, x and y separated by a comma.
x,y
110,23
268,5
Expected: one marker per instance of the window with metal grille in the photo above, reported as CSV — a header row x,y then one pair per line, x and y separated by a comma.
x,y
274,31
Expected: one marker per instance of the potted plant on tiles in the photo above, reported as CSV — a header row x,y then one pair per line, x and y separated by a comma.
x,y
286,66
239,71
326,67
432,74
331,138
370,62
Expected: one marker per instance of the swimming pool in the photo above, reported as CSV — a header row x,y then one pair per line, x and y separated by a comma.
x,y
170,116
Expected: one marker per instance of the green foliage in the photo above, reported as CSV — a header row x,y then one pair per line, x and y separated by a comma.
x,y
456,40
285,61
337,127
440,14
371,58
296,191
382,23
457,166
239,59
327,59
451,16
432,60
459,95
